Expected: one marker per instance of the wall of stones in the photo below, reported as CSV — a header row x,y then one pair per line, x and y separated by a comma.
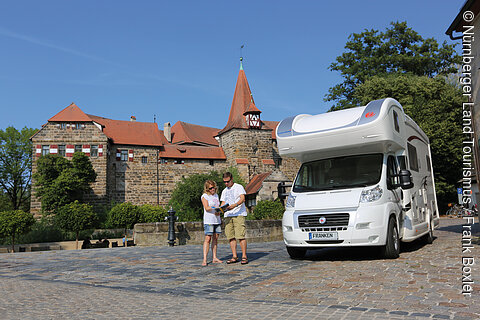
x,y
253,145
170,173
256,145
156,234
53,134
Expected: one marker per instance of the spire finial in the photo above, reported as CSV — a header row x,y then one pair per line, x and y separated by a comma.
x,y
241,56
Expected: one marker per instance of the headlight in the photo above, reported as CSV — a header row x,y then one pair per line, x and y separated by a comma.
x,y
371,194
290,201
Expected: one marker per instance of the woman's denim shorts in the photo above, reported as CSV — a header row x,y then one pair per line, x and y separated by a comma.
x,y
210,229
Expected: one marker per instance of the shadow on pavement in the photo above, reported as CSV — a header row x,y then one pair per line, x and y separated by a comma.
x,y
359,253
252,256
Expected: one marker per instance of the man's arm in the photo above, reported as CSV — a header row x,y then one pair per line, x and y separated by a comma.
x,y
238,203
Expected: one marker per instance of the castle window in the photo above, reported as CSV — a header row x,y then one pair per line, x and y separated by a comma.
x,y
212,162
144,159
45,150
179,161
123,155
78,148
63,126
93,150
78,126
163,161
61,150
251,200
278,162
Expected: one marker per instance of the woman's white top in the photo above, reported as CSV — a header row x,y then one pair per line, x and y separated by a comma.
x,y
211,217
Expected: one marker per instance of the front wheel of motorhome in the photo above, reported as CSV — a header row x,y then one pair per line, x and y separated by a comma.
x,y
391,250
296,253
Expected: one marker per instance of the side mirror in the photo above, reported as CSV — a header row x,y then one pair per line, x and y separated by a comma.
x,y
405,179
281,189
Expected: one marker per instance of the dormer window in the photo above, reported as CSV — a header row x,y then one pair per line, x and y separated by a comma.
x,y
253,120
252,116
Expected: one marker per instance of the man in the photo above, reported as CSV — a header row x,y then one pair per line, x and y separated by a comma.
x,y
234,195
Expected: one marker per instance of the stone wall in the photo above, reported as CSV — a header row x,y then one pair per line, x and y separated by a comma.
x,y
53,134
156,234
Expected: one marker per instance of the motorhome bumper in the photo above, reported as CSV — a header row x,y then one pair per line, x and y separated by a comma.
x,y
349,237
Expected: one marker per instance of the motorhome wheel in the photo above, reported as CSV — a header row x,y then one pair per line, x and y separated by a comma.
x,y
391,250
429,235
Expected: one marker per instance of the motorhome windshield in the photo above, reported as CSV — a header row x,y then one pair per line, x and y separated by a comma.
x,y
339,173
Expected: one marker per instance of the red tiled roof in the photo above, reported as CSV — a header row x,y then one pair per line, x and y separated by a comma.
x,y
183,133
242,100
191,152
241,161
256,183
252,109
271,125
268,161
131,132
72,113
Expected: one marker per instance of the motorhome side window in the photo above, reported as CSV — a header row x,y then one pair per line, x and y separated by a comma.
x,y
339,173
392,171
395,121
429,164
402,162
412,157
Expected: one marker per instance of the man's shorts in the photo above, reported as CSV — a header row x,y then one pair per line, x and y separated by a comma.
x,y
210,229
235,227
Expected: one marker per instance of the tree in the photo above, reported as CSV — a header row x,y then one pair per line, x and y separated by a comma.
x,y
14,223
434,105
188,191
16,165
125,215
76,217
60,181
397,50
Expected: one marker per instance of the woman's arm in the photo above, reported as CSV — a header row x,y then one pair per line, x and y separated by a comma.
x,y
205,205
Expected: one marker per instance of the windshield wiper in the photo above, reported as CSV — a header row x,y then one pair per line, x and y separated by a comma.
x,y
307,188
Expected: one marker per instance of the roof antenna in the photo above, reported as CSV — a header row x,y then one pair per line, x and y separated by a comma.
x,y
154,118
241,56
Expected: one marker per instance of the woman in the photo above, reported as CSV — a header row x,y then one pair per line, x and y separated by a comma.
x,y
211,220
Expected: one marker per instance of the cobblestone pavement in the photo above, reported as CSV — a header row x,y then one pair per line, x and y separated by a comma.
x,y
168,282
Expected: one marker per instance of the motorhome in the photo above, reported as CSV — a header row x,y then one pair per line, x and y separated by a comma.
x,y
365,179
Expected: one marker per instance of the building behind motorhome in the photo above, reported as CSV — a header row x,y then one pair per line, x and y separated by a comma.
x,y
139,163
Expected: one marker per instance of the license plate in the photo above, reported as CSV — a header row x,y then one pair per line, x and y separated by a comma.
x,y
323,236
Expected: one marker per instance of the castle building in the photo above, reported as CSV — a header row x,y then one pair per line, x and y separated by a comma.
x,y
139,163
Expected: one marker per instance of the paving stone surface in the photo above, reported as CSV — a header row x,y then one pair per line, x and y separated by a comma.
x,y
170,283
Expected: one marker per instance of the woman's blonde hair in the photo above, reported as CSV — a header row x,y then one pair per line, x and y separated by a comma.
x,y
207,185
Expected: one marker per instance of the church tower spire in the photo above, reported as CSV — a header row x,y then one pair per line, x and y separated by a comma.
x,y
243,112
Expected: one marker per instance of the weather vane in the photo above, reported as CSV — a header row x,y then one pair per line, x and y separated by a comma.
x,y
241,55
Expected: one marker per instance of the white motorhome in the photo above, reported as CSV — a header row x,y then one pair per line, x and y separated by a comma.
x,y
366,179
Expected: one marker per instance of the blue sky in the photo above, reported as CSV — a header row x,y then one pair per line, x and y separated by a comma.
x,y
179,59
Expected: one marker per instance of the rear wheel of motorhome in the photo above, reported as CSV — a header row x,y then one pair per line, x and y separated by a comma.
x,y
392,249
296,253
429,235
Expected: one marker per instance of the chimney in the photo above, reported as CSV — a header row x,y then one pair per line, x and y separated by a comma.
x,y
167,131
133,118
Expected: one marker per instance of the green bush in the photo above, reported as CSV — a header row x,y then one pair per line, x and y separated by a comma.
x,y
124,215
43,231
151,213
15,223
267,209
